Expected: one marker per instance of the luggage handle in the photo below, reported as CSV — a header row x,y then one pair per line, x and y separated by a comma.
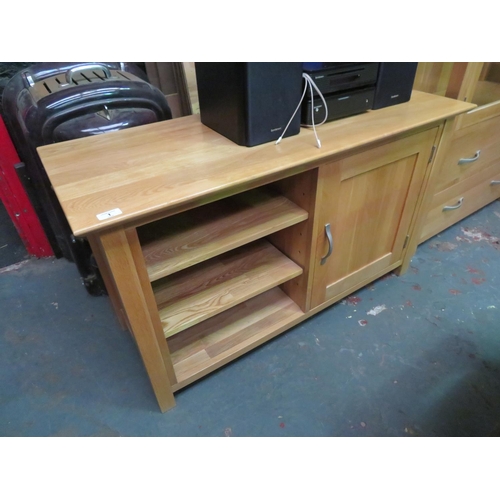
x,y
87,67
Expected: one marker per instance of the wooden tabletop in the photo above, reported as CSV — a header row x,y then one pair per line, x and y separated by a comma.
x,y
127,175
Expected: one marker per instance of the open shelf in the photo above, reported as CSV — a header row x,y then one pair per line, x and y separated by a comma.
x,y
200,292
189,238
217,341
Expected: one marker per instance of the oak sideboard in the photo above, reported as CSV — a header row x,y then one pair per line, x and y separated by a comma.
x,y
209,249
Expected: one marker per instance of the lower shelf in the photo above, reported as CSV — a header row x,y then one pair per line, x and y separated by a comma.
x,y
217,341
196,294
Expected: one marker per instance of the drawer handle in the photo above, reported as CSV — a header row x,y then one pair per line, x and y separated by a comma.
x,y
494,183
454,207
328,233
470,160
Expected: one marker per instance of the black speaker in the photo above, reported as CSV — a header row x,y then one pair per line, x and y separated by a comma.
x,y
394,83
249,103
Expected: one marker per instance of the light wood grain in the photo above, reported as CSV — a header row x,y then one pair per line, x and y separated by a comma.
x,y
200,234
486,93
467,80
483,137
297,241
371,205
149,299
122,264
217,341
476,192
370,167
475,130
369,200
198,293
441,146
109,282
433,77
162,168
478,115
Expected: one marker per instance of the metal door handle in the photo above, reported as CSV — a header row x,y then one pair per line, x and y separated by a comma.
x,y
87,67
470,160
454,207
494,183
328,233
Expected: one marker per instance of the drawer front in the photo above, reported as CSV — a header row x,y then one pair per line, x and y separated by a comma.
x,y
459,201
472,150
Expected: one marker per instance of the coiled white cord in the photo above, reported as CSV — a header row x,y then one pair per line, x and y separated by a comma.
x,y
309,83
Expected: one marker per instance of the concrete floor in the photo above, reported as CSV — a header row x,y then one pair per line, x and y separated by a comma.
x,y
416,355
12,249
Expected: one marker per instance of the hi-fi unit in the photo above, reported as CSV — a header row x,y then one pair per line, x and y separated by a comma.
x,y
352,88
348,89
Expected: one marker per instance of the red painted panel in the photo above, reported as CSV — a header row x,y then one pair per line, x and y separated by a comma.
x,y
16,200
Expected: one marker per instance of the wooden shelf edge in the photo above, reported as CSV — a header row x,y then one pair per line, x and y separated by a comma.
x,y
218,341
214,229
187,350
198,293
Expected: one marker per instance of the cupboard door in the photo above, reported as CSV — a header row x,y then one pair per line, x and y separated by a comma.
x,y
365,206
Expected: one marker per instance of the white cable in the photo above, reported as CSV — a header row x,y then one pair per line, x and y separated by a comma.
x,y
318,142
294,113
309,83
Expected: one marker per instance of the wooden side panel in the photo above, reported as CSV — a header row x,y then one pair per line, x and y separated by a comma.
x,y
122,254
433,77
107,277
455,86
468,79
297,242
149,297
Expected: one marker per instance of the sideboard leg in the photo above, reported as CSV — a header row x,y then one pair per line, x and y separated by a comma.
x,y
150,340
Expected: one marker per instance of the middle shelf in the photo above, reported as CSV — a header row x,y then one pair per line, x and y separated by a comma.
x,y
192,237
202,291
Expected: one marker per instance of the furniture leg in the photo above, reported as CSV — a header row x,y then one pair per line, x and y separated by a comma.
x,y
120,249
